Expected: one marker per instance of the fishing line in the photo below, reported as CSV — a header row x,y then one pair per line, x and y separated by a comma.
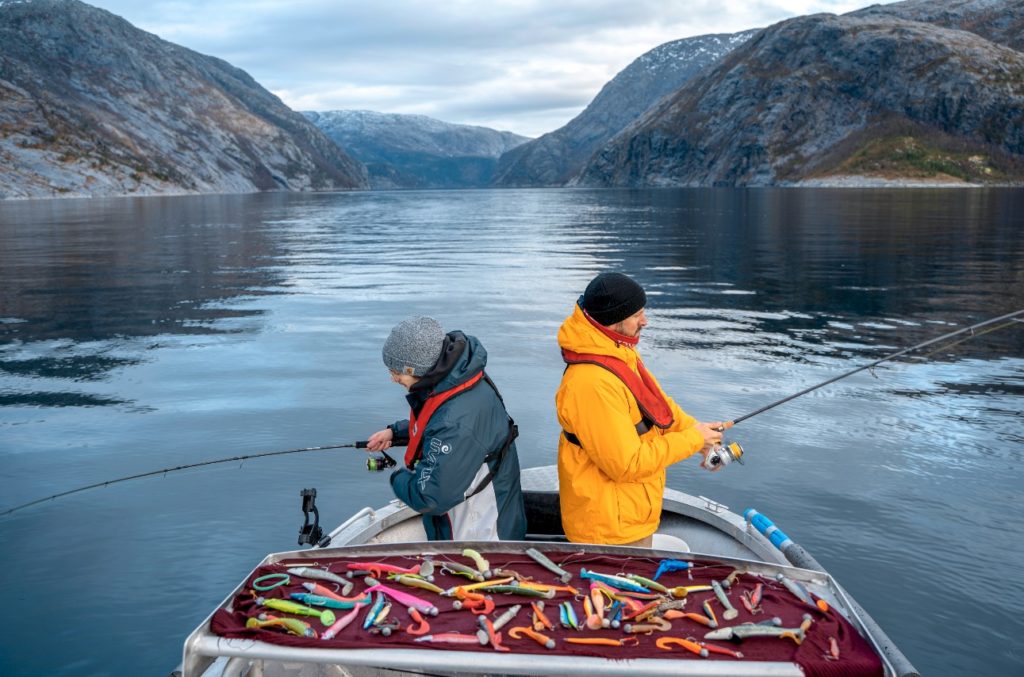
x,y
353,445
973,334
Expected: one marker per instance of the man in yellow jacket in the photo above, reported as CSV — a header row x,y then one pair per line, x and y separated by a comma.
x,y
619,429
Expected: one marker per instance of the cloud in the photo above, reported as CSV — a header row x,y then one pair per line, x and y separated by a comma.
x,y
527,65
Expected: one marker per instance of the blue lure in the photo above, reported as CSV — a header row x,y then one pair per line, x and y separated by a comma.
x,y
378,604
318,600
669,565
613,581
615,614
567,616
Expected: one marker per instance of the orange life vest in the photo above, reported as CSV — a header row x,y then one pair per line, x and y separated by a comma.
x,y
652,404
418,424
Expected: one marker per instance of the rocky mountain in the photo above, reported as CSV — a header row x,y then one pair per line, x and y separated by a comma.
x,y
998,21
91,105
823,97
553,158
415,151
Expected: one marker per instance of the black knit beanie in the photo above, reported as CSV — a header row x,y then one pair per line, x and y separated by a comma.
x,y
612,297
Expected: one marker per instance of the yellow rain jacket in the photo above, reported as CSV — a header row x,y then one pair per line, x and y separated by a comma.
x,y
611,487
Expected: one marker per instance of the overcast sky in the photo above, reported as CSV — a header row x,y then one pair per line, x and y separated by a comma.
x,y
527,66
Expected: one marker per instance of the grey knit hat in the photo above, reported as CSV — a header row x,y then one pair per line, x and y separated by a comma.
x,y
413,346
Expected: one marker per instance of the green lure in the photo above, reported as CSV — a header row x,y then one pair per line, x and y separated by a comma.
x,y
326,616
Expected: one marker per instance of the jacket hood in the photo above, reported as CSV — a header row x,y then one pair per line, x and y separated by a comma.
x,y
579,335
462,357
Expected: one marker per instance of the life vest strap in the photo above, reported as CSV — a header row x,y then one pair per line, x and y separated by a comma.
x,y
642,427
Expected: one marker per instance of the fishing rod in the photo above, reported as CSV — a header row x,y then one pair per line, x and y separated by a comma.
x,y
164,471
717,459
723,454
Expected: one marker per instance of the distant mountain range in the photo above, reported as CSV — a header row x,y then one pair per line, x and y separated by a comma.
x,y
415,151
823,97
90,105
923,90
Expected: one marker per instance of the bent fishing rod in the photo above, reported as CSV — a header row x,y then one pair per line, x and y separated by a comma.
x,y
724,453
1009,319
384,462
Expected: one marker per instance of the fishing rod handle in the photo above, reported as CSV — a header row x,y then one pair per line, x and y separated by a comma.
x,y
768,529
396,442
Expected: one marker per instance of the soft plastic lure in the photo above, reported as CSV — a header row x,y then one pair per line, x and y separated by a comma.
x,y
473,601
462,570
614,581
656,623
795,588
710,613
482,565
292,625
540,559
615,614
670,565
322,575
476,586
326,616
703,620
748,630
666,644
449,638
415,582
421,627
518,590
647,583
540,621
405,599
320,600
318,589
714,648
567,616
684,590
341,623
378,569
492,635
593,621
602,641
729,613
375,609
554,589
518,632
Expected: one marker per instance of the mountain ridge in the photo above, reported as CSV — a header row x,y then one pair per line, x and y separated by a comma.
x,y
416,151
92,105
826,95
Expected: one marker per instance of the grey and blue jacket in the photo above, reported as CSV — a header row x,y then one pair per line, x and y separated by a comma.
x,y
462,446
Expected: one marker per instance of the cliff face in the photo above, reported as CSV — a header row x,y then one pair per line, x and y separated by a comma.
x,y
415,151
553,158
831,95
90,105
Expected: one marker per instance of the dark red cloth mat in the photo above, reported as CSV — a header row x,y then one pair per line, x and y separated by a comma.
x,y
856,655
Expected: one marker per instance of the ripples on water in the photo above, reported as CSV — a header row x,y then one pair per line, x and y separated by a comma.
x,y
138,334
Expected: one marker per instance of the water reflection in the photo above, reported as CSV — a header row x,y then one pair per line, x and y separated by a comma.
x,y
145,333
96,270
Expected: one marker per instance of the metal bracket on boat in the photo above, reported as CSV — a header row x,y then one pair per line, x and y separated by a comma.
x,y
310,534
713,506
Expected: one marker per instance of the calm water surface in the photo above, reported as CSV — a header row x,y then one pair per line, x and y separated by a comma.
x,y
138,334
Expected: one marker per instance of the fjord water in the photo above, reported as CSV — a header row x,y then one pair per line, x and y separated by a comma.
x,y
148,333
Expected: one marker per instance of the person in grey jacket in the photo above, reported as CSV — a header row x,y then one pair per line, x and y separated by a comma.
x,y
461,468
